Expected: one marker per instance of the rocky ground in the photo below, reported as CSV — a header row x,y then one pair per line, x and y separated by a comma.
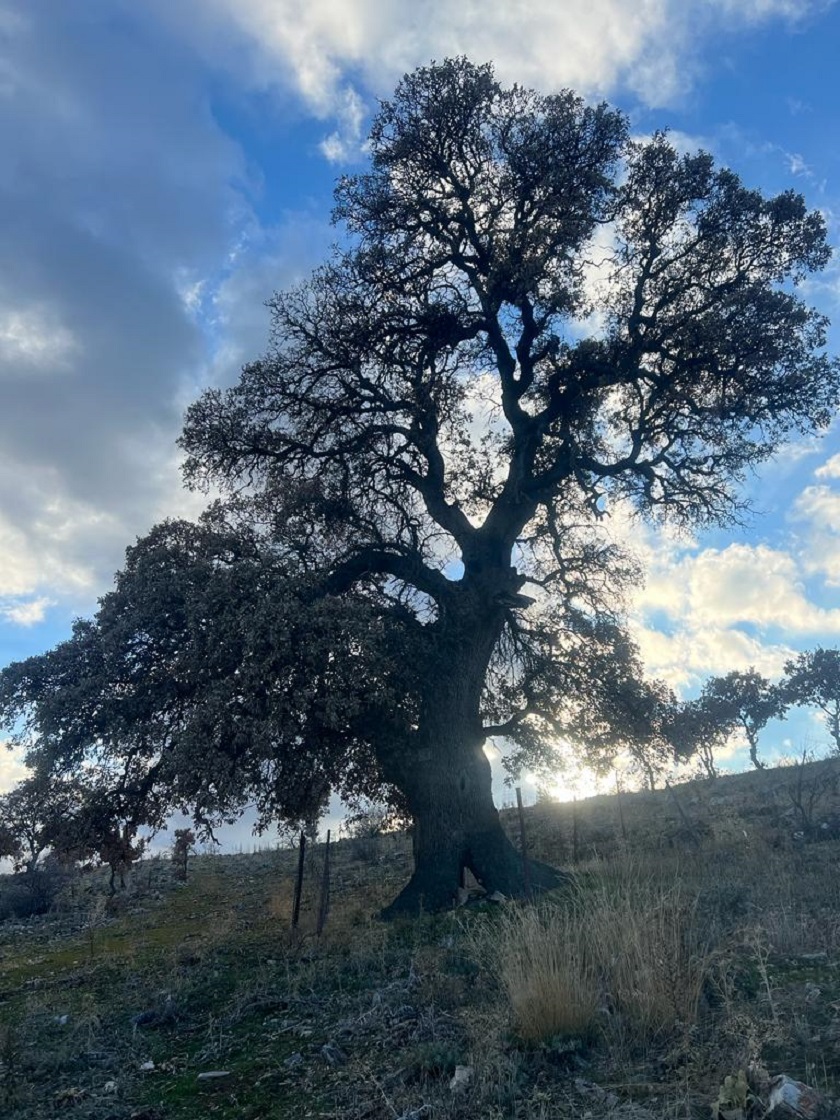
x,y
197,1000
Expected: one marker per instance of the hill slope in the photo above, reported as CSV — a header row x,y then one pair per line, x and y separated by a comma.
x,y
701,936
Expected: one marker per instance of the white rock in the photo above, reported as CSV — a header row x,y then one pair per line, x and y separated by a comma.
x,y
462,1078
147,1067
789,1098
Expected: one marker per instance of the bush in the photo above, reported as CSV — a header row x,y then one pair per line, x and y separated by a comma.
x,y
30,893
365,831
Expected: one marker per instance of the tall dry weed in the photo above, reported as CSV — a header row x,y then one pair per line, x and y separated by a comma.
x,y
624,959
541,960
651,955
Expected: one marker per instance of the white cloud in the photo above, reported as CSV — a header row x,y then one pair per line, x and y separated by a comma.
x,y
52,544
345,143
12,769
27,613
691,653
830,468
742,584
330,47
797,165
708,611
818,508
34,338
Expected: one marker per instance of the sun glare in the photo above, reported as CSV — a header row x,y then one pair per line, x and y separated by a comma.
x,y
575,786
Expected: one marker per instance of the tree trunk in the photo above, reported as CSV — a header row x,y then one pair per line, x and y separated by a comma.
x,y
457,826
448,787
752,741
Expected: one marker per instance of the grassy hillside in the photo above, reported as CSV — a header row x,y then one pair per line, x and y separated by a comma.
x,y
700,935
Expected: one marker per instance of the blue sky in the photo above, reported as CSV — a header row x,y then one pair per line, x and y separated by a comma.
x,y
167,165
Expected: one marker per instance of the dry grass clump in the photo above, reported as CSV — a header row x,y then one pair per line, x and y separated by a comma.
x,y
542,961
651,954
626,960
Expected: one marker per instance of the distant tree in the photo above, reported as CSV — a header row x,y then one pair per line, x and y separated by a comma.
x,y
534,317
99,830
32,814
746,701
699,729
639,718
813,678
183,845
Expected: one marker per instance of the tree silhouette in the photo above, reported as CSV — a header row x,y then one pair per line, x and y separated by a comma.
x,y
534,318
813,678
745,700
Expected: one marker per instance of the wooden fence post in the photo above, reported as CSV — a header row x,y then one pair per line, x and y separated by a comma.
x,y
620,808
687,824
526,866
299,881
324,903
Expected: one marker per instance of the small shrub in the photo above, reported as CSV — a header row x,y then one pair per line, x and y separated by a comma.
x,y
30,893
184,844
650,951
437,1058
365,831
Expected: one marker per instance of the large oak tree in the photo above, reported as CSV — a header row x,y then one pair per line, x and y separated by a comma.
x,y
533,318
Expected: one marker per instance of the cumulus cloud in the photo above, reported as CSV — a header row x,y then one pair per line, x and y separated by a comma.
x,y
12,769
830,468
742,584
705,611
27,613
128,252
330,51
818,509
689,654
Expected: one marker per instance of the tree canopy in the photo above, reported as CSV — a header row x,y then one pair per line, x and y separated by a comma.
x,y
746,701
534,318
813,677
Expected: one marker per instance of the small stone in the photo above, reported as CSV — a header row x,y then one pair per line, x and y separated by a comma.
x,y
793,1100
213,1074
147,1067
461,1079
109,1087
61,1020
497,896
332,1055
